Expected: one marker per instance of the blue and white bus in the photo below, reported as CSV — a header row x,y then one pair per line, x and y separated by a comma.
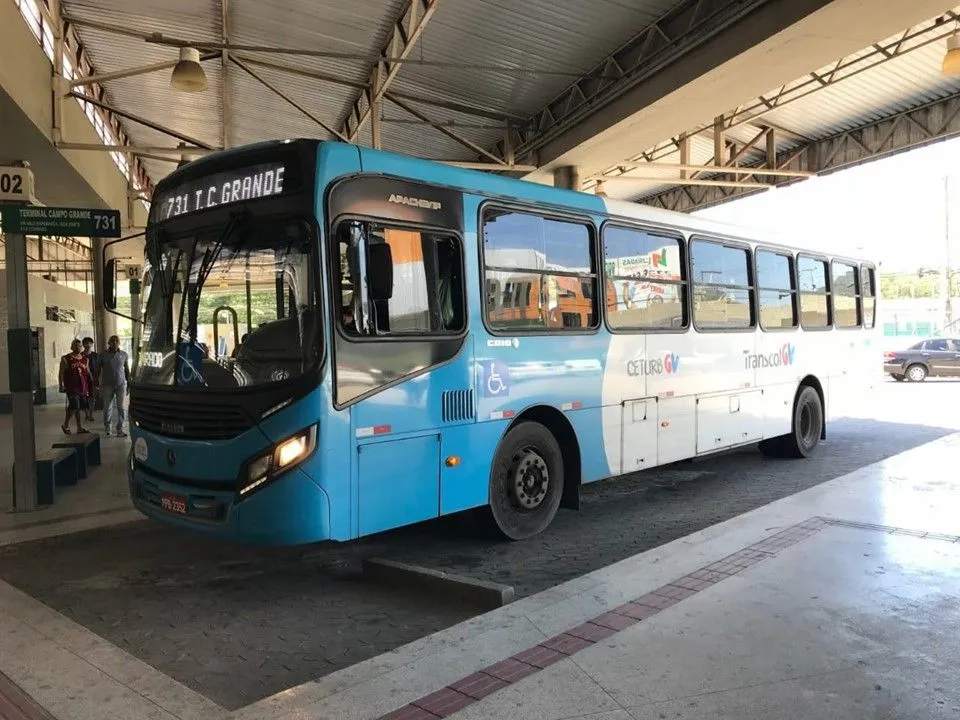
x,y
338,341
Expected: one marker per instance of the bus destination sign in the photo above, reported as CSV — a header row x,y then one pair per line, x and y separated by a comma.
x,y
225,188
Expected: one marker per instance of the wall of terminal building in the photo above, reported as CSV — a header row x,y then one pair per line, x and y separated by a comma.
x,y
61,313
916,318
70,178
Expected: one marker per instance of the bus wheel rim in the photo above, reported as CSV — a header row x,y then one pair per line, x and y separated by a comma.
x,y
530,480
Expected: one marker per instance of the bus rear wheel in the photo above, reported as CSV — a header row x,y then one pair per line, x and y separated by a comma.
x,y
526,482
807,427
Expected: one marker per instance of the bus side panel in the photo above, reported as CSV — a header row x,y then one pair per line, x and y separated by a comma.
x,y
515,371
466,485
780,365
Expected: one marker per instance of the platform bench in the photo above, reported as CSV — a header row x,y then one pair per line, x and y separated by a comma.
x,y
53,468
87,447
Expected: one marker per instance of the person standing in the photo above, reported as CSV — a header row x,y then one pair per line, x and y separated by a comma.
x,y
75,382
93,363
114,375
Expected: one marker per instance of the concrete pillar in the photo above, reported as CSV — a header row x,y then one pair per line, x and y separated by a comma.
x,y
567,177
104,324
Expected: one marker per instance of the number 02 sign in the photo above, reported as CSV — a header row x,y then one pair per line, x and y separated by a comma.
x,y
16,184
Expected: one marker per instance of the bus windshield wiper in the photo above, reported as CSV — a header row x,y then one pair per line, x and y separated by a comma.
x,y
206,266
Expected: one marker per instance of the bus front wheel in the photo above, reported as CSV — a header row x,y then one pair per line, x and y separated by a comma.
x,y
526,482
807,428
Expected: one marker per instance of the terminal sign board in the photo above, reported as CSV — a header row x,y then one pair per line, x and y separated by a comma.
x,y
70,222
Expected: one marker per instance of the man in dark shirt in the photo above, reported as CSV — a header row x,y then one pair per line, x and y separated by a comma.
x,y
93,361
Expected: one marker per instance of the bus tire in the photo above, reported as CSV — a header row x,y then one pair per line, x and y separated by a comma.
x,y
807,426
526,482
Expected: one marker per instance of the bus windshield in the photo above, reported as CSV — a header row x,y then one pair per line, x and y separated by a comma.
x,y
230,308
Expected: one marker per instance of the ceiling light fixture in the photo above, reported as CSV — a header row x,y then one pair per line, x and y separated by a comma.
x,y
951,61
188,75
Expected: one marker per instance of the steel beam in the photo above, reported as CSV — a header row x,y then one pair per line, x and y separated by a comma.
x,y
461,107
754,112
922,125
488,166
133,72
142,121
135,149
443,129
725,169
243,66
727,183
622,79
406,32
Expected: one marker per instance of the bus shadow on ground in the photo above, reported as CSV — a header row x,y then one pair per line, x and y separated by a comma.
x,y
238,623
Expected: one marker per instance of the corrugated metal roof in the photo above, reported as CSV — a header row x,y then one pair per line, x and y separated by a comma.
x,y
467,38
864,91
501,55
570,36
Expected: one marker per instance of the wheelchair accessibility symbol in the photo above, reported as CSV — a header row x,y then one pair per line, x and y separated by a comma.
x,y
496,379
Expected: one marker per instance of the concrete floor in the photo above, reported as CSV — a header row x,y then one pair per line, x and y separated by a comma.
x,y
98,500
855,616
253,622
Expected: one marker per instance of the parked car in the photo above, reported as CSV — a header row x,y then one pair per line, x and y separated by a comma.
x,y
934,357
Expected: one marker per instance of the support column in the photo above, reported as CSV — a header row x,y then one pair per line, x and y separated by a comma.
x,y
946,283
20,358
771,154
685,156
376,109
719,141
103,327
567,177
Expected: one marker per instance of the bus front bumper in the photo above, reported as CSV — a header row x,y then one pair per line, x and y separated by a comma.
x,y
290,510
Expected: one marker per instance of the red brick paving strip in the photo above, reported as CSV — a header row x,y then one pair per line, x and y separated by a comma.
x,y
15,704
479,685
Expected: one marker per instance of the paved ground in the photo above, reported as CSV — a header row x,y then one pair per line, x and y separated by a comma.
x,y
237,624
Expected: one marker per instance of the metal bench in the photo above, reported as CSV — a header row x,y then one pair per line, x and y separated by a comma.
x,y
87,447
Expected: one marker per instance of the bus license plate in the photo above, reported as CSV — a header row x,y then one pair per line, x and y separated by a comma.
x,y
173,503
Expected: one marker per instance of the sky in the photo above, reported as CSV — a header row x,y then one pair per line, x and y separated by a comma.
x,y
893,210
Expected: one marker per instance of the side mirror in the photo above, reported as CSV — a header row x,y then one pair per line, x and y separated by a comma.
x,y
110,284
380,272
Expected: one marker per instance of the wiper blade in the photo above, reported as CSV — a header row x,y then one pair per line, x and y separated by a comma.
x,y
206,266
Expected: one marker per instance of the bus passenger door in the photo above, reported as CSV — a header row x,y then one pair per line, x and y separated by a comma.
x,y
399,342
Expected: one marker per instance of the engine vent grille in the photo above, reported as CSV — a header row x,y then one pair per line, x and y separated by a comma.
x,y
458,405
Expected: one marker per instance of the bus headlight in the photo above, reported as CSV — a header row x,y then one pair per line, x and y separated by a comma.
x,y
283,456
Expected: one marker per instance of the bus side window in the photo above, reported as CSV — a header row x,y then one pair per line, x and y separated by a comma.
x,y
541,264
449,285
846,295
777,290
868,290
428,288
723,287
814,293
646,282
